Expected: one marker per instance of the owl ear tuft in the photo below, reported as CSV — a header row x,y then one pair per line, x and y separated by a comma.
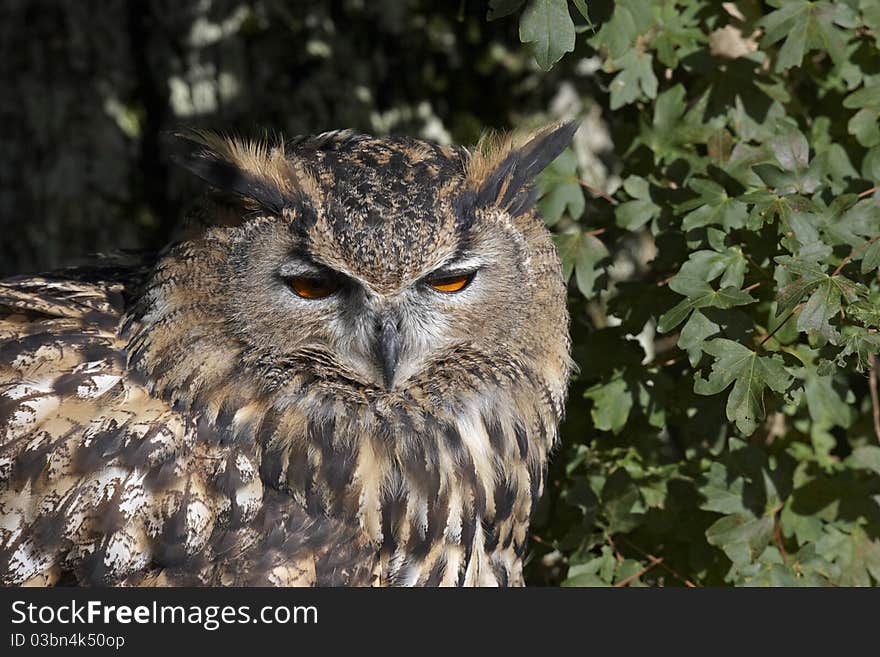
x,y
253,170
501,170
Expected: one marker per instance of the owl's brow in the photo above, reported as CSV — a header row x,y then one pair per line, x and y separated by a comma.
x,y
301,265
456,265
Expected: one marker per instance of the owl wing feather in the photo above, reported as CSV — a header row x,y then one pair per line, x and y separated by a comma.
x,y
103,483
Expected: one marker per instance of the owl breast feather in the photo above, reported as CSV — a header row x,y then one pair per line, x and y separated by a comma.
x,y
103,483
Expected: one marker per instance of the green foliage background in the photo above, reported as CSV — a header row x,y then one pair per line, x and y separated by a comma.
x,y
722,427
717,215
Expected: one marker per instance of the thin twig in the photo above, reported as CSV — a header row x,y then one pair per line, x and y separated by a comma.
x,y
597,192
617,554
655,561
868,192
752,286
777,536
854,253
875,398
668,569
794,311
540,540
597,231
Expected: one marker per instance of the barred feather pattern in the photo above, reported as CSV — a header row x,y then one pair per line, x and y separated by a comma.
x,y
104,482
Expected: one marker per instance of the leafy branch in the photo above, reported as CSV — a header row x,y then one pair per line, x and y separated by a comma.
x,y
722,323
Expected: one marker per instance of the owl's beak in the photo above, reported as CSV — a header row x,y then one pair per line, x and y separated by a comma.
x,y
389,350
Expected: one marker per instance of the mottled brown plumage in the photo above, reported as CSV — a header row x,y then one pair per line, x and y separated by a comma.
x,y
198,418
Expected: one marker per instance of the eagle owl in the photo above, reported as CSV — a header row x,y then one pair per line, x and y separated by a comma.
x,y
349,370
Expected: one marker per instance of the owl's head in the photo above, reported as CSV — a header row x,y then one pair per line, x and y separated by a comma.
x,y
371,265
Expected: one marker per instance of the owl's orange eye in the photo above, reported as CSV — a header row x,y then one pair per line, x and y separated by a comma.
x,y
451,283
311,287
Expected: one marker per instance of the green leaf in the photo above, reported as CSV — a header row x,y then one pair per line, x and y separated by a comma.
x,y
581,253
669,108
713,206
871,164
871,16
578,579
856,554
677,314
805,275
727,297
634,214
867,96
621,502
742,536
560,189
804,225
581,6
694,334
611,405
865,311
630,19
865,124
723,490
823,305
793,175
859,342
705,266
866,457
833,164
806,25
749,373
595,572
826,405
864,127
547,27
792,51
678,32
806,528
675,130
791,150
635,80
871,258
